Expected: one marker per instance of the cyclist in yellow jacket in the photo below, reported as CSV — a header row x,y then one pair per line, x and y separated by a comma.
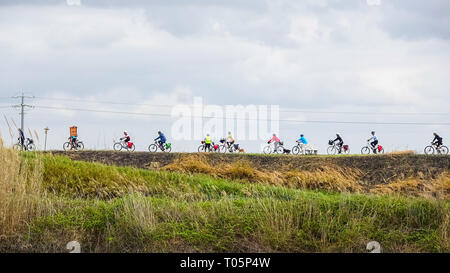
x,y
208,142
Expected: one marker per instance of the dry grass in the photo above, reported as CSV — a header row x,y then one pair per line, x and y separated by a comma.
x,y
438,188
20,191
326,177
405,152
330,178
191,164
130,210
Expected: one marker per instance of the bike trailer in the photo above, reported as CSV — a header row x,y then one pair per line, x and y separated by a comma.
x,y
130,145
345,147
380,148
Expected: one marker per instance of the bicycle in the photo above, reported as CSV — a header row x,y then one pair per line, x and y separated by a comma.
x,y
432,149
77,145
269,149
229,147
153,148
28,145
212,148
336,149
367,149
119,146
299,148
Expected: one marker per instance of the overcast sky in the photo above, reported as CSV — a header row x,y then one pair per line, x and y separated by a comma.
x,y
374,58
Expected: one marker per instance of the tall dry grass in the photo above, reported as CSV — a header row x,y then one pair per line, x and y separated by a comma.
x,y
326,177
20,190
438,188
330,178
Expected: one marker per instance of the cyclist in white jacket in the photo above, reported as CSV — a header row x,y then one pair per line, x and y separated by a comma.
x,y
374,138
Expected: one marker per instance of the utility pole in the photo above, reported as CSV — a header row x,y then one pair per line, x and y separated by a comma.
x,y
22,106
45,143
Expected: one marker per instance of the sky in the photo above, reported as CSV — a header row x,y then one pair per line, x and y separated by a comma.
x,y
331,66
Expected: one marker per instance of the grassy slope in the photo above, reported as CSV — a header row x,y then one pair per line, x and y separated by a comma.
x,y
124,209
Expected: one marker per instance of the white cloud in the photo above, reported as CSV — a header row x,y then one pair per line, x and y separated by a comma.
x,y
316,54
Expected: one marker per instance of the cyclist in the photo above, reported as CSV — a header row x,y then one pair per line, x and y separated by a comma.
x,y
275,140
340,142
21,138
162,139
208,142
302,139
73,141
437,141
126,138
374,142
229,139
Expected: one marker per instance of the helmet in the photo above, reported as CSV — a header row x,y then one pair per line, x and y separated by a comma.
x,y
434,133
229,133
338,134
274,134
373,132
301,135
125,132
207,134
159,132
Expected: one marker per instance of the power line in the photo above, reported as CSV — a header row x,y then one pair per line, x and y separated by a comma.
x,y
106,102
247,119
287,110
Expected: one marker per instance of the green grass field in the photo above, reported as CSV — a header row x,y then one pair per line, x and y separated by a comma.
x,y
47,201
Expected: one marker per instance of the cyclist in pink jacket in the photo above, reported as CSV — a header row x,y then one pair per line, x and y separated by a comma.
x,y
275,140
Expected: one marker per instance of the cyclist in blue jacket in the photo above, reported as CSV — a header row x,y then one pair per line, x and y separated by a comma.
x,y
162,139
21,138
302,139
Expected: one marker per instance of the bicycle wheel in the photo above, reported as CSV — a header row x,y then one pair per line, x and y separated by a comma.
x,y
365,150
267,150
331,150
223,148
201,149
66,146
117,147
167,150
295,150
31,147
80,146
280,150
152,148
429,150
443,150
17,147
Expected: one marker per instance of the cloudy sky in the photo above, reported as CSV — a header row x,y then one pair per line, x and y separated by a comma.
x,y
351,65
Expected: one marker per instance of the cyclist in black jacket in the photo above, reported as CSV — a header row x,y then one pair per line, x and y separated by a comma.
x,y
437,140
340,142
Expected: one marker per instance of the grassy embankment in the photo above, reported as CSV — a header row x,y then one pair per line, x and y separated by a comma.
x,y
46,201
